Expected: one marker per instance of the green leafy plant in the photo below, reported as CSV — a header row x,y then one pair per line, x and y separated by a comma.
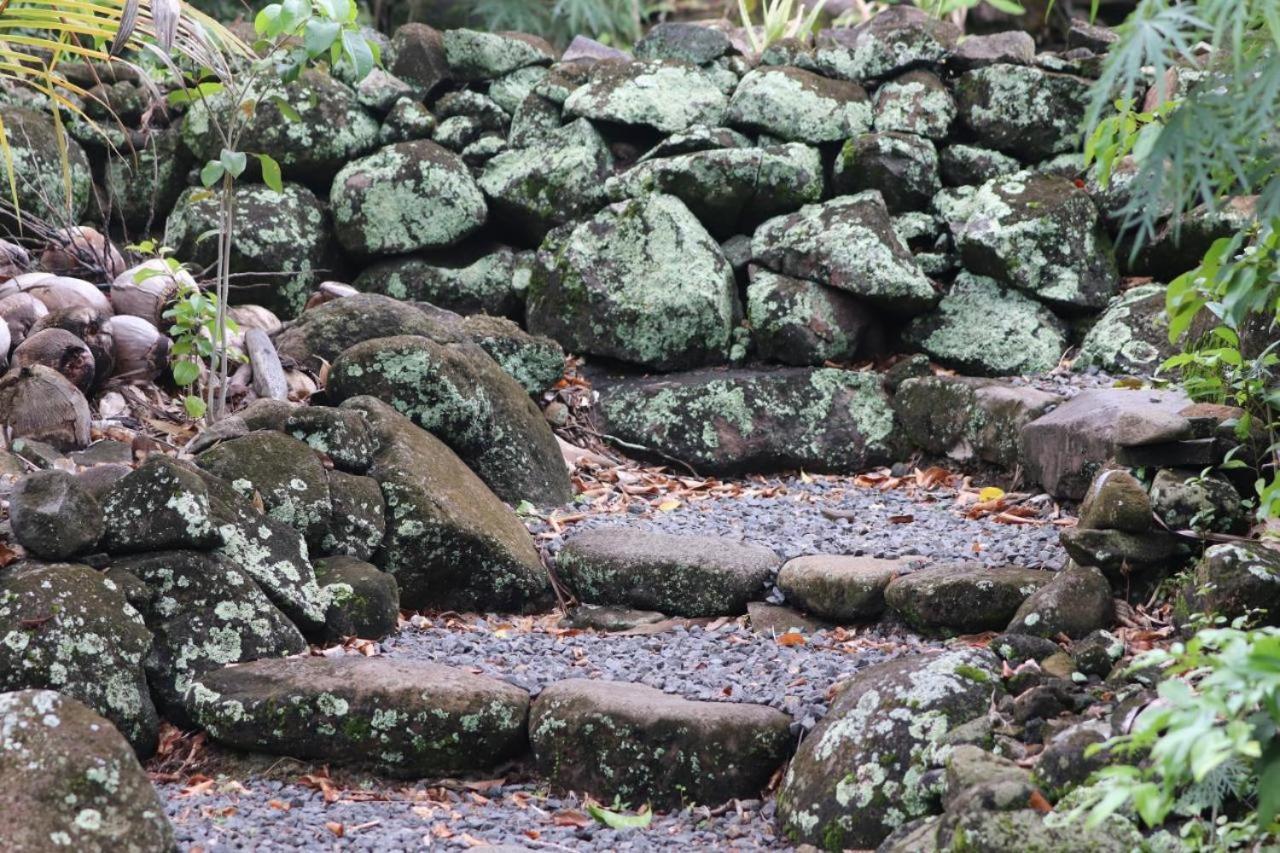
x,y
779,19
194,316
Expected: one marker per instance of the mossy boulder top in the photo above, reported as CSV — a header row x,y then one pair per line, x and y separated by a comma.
x,y
403,198
474,55
1022,110
799,106
162,504
663,95
963,599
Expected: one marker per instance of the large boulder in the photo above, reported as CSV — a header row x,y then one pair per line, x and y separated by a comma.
x,y
363,600
1076,602
749,421
847,243
799,106
357,516
161,505
679,575
69,780
985,329
534,361
1040,234
902,38
845,589
916,102
34,164
1235,579
963,599
404,717
865,769
902,167
282,236
340,435
472,279
642,282
1131,336
451,543
689,42
794,321
53,516
144,183
67,628
663,95
418,58
322,333
390,202
473,55
1025,111
636,744
461,395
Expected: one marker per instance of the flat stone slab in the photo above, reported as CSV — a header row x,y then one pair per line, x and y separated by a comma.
x,y
640,745
678,575
966,598
406,718
838,587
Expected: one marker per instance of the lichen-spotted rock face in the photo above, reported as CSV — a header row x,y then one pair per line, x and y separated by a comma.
x,y
861,773
53,516
163,504
403,198
474,55
752,421
65,627
838,587
1042,235
357,519
451,543
145,184
902,167
799,106
472,279
847,243
970,165
461,395
904,37
1131,336
663,95
283,233
363,601
339,434
37,167
68,780
534,361
917,102
1238,578
1076,602
794,321
327,127
963,599
404,717
982,328
1024,111
642,282
637,744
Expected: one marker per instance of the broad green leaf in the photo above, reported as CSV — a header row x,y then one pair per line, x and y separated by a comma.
x,y
212,173
614,820
270,172
234,162
185,373
195,406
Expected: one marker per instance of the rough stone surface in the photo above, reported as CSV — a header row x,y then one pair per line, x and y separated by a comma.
x,y
341,435
161,505
837,587
477,277
688,42
904,38
363,601
964,599
1232,579
902,167
357,516
534,361
1024,111
799,106
321,334
1131,336
636,744
969,165
37,157
1116,500
663,95
1189,500
473,55
53,516
1075,602
794,321
418,57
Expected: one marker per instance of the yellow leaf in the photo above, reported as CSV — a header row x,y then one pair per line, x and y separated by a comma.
x,y
668,505
805,478
991,493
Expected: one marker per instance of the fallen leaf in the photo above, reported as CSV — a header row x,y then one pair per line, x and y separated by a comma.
x,y
571,817
279,805
791,638
901,519
1039,803
668,505
336,828
991,493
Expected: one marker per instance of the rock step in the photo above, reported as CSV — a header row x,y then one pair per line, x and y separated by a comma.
x,y
839,587
637,744
406,718
678,575
966,598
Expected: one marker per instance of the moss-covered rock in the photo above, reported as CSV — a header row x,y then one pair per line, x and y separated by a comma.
x,y
69,780
36,153
1022,110
642,282
1121,554
535,361
1076,602
1116,500
969,165
902,167
457,132
663,95
1040,234
1068,760
404,717
849,244
865,769
53,516
1131,336
474,56
357,517
161,505
67,628
461,395
1237,578
363,601
326,127
680,575
451,543
406,121
341,435
799,106
1190,500
916,102
746,421
389,202
143,183
535,120
963,599
381,90
904,38
511,90
322,333
985,329
978,829
794,321
848,589
284,235
636,744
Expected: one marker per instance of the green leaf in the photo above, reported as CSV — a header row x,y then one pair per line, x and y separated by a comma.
x,y
195,406
212,173
286,109
356,48
234,162
614,820
1006,6
319,36
185,373
270,172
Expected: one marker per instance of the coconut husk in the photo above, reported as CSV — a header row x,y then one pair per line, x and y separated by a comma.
x,y
82,252
14,260
58,350
90,326
58,292
39,403
21,311
141,351
148,290
329,291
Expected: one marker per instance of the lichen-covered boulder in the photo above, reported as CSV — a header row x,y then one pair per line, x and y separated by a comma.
x,y
144,182
1132,335
475,278
902,167
37,156
747,421
357,516
418,58
406,718
663,95
341,435
977,826
461,395
847,243
693,43
283,472
534,361
836,587
679,575
1237,578
363,600
984,329
325,127
636,744
321,334
1069,758
407,121
1116,500
451,543
511,90
1192,500
865,769
205,612
557,180
1040,234
1022,110
904,37
1122,555
69,780
731,190
916,102
642,282
53,516
475,56
1076,602
67,628
161,505
1013,47
282,234
799,106
969,165
794,321
403,198
700,137
963,599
